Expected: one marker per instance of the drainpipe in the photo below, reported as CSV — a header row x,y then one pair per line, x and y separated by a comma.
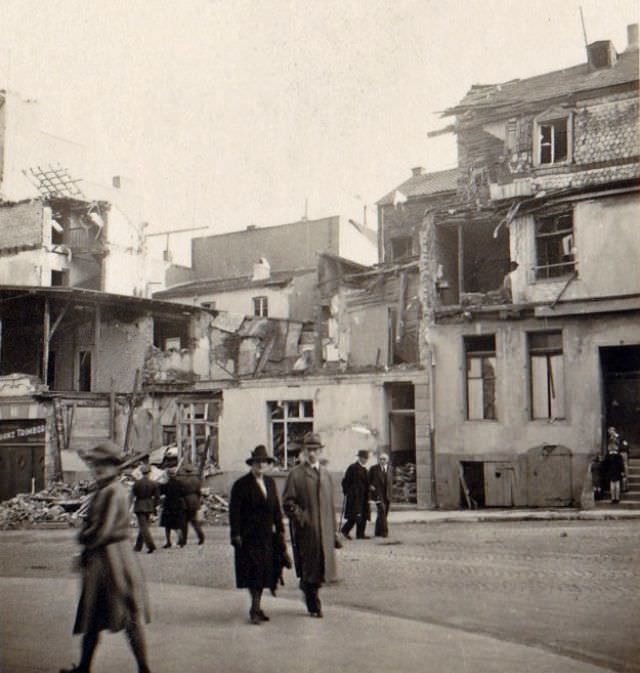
x,y
432,429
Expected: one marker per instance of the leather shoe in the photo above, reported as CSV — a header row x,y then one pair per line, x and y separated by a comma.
x,y
262,616
318,614
363,537
150,551
166,546
254,618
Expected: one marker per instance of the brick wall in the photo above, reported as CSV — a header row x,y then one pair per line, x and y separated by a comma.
x,y
21,225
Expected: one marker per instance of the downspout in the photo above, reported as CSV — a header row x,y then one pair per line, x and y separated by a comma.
x,y
432,425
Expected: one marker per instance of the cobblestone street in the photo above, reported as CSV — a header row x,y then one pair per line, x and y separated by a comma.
x,y
567,587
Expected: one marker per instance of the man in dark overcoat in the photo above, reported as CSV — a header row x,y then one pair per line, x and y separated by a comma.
x,y
308,502
173,508
380,482
192,494
355,487
146,494
257,532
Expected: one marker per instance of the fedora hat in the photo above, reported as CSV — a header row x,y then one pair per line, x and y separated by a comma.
x,y
311,440
363,453
105,452
259,455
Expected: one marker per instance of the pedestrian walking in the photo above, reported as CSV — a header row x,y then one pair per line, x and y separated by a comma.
x,y
192,494
173,515
113,594
308,502
355,487
257,532
380,482
146,495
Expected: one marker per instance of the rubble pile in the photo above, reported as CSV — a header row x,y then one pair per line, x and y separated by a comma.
x,y
215,508
58,504
404,483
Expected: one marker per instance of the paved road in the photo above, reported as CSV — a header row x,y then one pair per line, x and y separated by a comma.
x,y
567,587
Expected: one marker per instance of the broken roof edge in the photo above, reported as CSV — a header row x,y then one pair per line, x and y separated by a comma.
x,y
344,260
447,176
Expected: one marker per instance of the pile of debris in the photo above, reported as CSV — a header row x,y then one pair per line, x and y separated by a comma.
x,y
59,504
404,483
215,509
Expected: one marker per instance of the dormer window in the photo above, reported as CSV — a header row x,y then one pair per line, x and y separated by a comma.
x,y
553,138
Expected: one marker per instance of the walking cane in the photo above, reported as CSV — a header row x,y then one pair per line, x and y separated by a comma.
x,y
344,504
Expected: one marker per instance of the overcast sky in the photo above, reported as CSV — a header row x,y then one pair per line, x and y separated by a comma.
x,y
229,113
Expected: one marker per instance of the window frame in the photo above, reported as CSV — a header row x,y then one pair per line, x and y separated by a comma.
x,y
483,354
260,306
286,457
553,386
545,272
551,118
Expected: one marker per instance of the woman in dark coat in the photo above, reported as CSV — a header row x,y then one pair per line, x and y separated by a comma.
x,y
174,514
257,533
113,593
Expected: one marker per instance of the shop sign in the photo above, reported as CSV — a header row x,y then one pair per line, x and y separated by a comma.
x,y
23,432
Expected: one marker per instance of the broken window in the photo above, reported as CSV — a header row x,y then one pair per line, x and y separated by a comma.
x,y
171,334
480,353
198,428
553,145
401,247
260,307
290,420
546,367
554,245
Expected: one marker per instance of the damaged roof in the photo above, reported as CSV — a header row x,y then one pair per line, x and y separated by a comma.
x,y
190,288
425,184
557,84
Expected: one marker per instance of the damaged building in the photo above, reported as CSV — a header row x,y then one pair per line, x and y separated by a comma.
x,y
532,285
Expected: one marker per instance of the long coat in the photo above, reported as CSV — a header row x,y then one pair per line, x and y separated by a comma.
x,y
255,520
113,590
308,502
380,483
174,507
355,486
191,491
146,494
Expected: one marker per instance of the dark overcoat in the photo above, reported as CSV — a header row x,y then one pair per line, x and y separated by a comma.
x,y
355,486
146,494
308,502
255,519
113,590
191,491
381,484
173,508
615,466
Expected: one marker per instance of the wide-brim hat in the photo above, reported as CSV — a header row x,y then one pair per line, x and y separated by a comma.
x,y
363,453
312,440
259,455
105,452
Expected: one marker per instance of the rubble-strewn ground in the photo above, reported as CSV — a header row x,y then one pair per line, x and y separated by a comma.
x,y
571,587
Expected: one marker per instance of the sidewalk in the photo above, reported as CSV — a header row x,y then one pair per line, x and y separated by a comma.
x,y
478,515
197,630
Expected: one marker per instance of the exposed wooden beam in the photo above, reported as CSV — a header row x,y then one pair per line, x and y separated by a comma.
x,y
45,340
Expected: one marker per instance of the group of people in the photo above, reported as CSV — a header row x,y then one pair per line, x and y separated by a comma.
x,y
113,595
360,486
181,496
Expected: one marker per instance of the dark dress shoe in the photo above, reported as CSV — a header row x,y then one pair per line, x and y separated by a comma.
x,y
254,618
317,614
201,541
150,551
262,616
166,546
363,537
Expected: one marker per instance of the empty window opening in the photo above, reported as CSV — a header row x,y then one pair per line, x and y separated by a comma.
x,y
260,307
84,371
553,141
401,247
546,366
480,354
290,420
554,245
59,278
170,334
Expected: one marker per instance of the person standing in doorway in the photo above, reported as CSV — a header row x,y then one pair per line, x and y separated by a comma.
x,y
113,594
192,494
355,487
615,471
145,494
257,532
381,481
308,502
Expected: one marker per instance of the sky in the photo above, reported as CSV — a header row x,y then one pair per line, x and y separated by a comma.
x,y
232,113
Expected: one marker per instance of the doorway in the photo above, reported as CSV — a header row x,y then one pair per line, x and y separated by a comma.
x,y
402,440
620,366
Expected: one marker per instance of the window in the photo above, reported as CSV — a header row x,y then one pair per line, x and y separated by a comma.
x,y
546,367
260,307
84,371
401,247
553,141
290,421
480,353
198,431
554,245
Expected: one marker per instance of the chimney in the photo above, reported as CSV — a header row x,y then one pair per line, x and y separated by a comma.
x,y
251,227
632,37
418,170
115,181
601,54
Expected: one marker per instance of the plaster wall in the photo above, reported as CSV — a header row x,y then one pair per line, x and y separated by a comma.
x,y
356,246
513,433
605,234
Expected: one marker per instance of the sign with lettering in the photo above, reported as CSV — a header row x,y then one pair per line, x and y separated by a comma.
x,y
23,431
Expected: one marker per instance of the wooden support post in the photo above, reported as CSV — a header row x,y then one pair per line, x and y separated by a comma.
x,y
132,403
460,262
45,341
